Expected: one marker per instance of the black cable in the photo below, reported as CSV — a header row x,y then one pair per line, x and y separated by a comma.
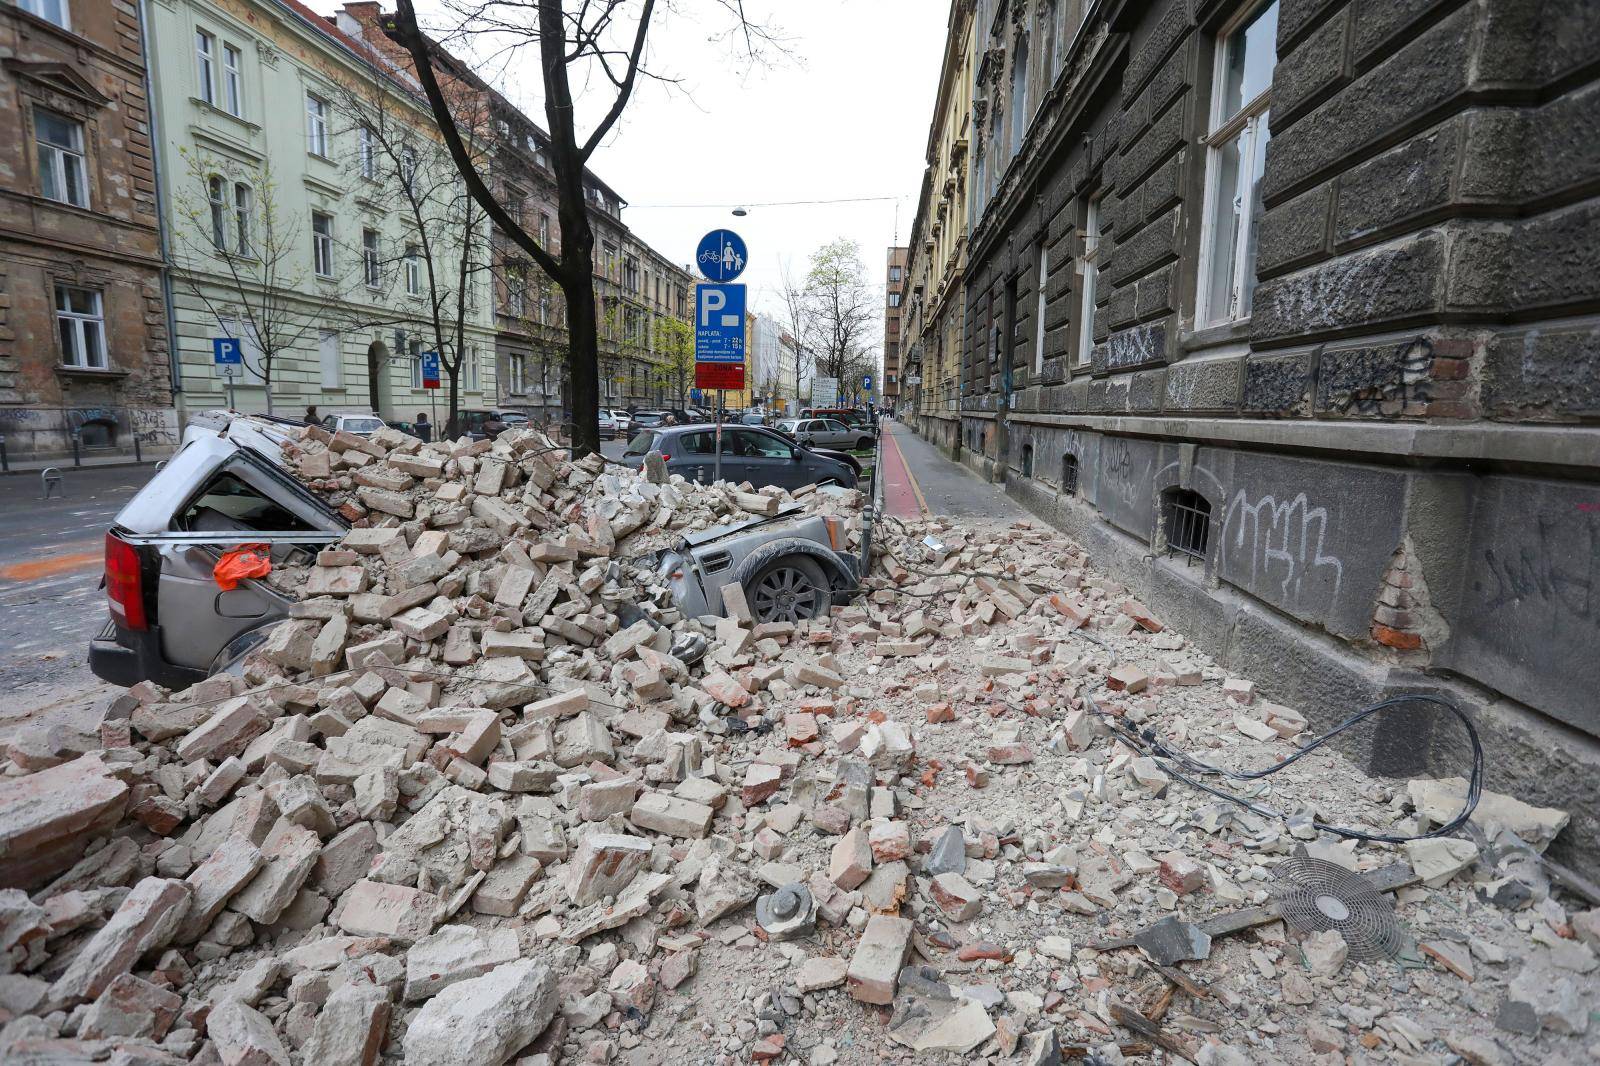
x,y
1148,743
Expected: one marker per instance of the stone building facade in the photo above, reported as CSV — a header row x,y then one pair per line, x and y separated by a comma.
x,y
1290,312
83,326
894,335
936,264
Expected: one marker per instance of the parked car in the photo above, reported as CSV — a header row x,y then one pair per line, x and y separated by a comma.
x,y
624,421
479,423
362,425
752,418
848,415
749,453
608,425
826,432
169,623
646,418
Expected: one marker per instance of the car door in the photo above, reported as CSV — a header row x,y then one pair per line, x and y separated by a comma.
x,y
835,434
768,459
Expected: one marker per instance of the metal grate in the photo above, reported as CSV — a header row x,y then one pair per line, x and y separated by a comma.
x,y
1187,518
1069,474
1314,895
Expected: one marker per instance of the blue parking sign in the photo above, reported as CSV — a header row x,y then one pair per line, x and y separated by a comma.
x,y
430,370
227,351
719,323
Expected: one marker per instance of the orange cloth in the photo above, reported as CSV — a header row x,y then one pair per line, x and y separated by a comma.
x,y
247,560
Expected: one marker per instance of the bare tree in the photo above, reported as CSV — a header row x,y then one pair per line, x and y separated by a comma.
x,y
601,42
843,309
252,264
443,258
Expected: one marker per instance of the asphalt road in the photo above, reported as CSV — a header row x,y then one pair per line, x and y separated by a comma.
x,y
51,555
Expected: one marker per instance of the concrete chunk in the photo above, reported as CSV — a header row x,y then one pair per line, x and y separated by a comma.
x,y
146,920
484,1020
875,967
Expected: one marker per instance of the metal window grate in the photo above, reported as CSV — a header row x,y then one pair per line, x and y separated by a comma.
x,y
1187,518
1069,474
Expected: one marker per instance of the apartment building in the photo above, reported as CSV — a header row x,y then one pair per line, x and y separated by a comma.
x,y
894,290
84,361
1289,310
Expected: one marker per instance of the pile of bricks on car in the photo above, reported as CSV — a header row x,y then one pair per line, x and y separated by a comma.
x,y
487,796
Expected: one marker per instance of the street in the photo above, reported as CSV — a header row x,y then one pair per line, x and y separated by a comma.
x,y
51,552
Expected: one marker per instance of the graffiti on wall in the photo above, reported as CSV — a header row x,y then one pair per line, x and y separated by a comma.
x,y
1555,567
1121,472
1282,541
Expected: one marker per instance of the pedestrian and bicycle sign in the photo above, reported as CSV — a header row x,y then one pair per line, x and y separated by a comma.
x,y
721,255
430,370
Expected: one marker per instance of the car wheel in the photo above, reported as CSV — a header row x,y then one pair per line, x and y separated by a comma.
x,y
792,588
863,444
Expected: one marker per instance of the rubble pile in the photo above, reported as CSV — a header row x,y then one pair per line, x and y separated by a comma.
x,y
488,796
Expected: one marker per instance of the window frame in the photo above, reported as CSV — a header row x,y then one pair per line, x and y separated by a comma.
x,y
35,8
322,245
372,257
337,363
414,350
244,204
217,201
367,153
233,79
56,157
413,270
1087,268
318,139
1252,121
205,52
1044,278
80,322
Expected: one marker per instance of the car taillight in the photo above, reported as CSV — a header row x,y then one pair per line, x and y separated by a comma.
x,y
665,458
124,583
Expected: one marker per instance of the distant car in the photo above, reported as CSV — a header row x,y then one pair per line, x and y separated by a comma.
x,y
825,433
645,418
752,418
749,453
362,425
848,415
624,421
608,425
478,423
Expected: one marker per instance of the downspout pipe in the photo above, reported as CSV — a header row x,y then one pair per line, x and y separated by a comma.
x,y
174,360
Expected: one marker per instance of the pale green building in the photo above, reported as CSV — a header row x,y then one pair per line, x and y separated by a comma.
x,y
294,168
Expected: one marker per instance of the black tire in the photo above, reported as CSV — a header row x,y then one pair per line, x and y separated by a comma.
x,y
791,588
864,444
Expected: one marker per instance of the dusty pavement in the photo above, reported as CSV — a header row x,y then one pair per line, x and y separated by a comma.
x,y
51,556
459,813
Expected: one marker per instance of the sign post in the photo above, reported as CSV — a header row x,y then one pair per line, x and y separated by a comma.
x,y
430,381
228,355
719,310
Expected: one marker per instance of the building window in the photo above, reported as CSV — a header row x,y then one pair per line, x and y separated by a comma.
x,y
233,80
217,201
371,261
630,274
205,51
894,299
63,171
329,357
1186,522
80,316
544,305
518,366
1019,94
1069,474
56,11
1236,148
544,230
414,350
316,125
471,361
242,212
1027,460
322,243
1088,272
894,273
368,158
413,270
1044,276
408,167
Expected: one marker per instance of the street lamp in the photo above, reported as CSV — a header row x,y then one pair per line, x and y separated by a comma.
x,y
740,212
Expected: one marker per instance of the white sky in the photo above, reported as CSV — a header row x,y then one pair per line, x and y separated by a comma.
x,y
846,116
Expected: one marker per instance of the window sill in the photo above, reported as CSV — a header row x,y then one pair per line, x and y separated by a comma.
x,y
223,113
90,373
1212,336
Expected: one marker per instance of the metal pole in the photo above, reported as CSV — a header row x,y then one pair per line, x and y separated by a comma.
x,y
5,460
138,455
77,459
229,379
717,475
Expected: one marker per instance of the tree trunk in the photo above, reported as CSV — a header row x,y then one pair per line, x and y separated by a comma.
x,y
583,365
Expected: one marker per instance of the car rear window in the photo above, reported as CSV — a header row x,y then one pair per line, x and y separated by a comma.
x,y
641,443
362,425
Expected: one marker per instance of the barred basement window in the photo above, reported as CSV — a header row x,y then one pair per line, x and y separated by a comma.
x,y
1027,460
1069,474
1186,517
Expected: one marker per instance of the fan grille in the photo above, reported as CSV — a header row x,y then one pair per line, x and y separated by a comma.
x,y
1315,895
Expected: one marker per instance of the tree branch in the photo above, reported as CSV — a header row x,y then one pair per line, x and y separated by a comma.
x,y
626,89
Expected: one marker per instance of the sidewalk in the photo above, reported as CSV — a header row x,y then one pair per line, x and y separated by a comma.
x,y
917,479
151,457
